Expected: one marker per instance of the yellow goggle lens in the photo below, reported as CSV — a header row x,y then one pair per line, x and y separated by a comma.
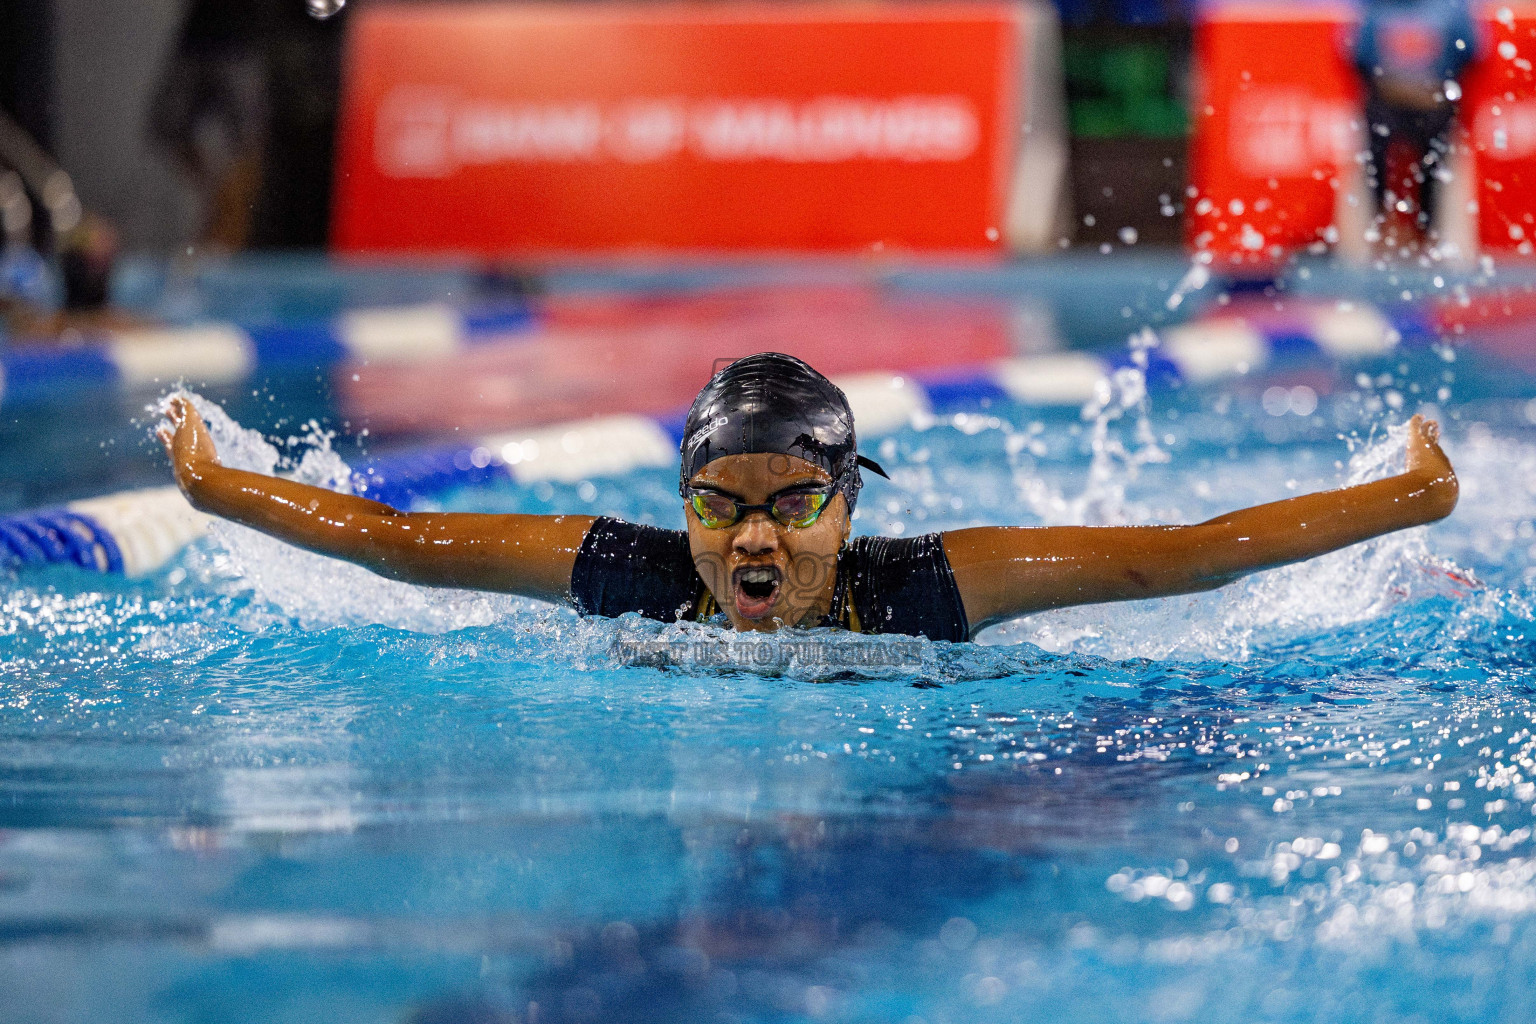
x,y
799,510
714,511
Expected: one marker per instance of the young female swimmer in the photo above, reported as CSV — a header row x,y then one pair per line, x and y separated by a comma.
x,y
770,476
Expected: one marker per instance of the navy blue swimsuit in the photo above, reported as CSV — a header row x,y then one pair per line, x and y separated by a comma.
x,y
884,584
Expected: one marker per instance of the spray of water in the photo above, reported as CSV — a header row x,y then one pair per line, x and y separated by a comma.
x,y
1121,442
1194,279
1349,586
291,584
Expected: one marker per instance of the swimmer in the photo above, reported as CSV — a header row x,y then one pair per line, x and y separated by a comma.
x,y
1410,55
770,477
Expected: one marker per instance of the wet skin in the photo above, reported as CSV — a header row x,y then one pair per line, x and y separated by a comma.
x,y
519,554
803,560
1004,572
1001,572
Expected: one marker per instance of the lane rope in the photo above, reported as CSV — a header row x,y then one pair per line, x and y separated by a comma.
x,y
134,533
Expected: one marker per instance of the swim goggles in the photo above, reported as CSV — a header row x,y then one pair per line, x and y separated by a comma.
x,y
796,509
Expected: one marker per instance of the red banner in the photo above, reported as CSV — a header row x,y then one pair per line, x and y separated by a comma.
x,y
1499,112
508,129
1277,125
1276,117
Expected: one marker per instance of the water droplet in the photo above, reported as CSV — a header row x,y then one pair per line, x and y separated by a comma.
x,y
1507,50
958,933
1128,235
1277,401
323,9
1303,400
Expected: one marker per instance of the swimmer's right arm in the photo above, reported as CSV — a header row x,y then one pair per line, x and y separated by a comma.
x,y
518,554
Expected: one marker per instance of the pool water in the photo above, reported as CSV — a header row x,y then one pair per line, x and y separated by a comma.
x,y
261,786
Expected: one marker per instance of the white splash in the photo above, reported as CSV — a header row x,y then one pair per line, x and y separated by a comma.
x,y
1118,453
315,590
1353,585
1196,278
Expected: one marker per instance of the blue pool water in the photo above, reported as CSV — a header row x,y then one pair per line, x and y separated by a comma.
x,y
260,786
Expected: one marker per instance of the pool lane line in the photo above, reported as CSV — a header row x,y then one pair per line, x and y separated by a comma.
x,y
226,353
134,533
126,360
131,533
129,360
1198,353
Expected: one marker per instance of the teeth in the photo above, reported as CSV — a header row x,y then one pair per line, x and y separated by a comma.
x,y
757,576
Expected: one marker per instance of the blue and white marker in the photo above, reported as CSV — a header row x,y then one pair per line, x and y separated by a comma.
x,y
138,532
127,361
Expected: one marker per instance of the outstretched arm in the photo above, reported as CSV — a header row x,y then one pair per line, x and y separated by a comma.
x,y
518,554
1004,572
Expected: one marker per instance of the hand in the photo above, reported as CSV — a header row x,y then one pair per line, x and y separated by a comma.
x,y
1424,454
1427,461
188,443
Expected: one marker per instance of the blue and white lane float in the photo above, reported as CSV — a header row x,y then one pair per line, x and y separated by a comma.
x,y
137,360
125,361
134,533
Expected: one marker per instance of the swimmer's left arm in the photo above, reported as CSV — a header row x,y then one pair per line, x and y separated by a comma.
x,y
1003,572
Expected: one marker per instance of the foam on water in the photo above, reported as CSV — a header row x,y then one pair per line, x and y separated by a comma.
x,y
1356,584
311,589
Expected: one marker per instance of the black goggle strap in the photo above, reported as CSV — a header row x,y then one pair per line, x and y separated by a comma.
x,y
849,484
872,466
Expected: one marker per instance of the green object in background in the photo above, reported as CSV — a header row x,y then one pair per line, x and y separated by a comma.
x,y
1098,119
1121,90
1156,117
1131,72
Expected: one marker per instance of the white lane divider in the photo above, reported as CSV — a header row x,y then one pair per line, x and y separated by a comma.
x,y
150,526
881,402
1059,378
1352,331
214,354
413,334
1219,348
568,452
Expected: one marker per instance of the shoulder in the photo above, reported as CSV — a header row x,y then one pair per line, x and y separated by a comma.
x,y
611,535
630,567
905,585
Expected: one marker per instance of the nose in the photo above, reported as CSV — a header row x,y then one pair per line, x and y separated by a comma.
x,y
756,535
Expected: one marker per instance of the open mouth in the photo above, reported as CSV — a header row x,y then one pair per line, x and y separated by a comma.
x,y
756,588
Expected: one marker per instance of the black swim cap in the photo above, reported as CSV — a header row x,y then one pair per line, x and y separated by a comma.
x,y
774,403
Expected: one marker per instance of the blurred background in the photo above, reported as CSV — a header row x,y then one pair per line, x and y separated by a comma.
x,y
411,222
162,110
